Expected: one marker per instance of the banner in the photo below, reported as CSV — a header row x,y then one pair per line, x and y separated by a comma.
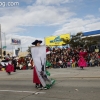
x,y
15,41
56,40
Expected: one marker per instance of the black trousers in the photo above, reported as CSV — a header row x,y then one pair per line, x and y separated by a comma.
x,y
14,68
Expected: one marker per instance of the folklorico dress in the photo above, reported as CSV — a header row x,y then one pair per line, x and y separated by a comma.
x,y
35,76
9,68
82,62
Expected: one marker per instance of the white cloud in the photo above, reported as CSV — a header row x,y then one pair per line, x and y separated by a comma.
x,y
99,9
56,2
12,19
79,25
89,16
25,41
27,1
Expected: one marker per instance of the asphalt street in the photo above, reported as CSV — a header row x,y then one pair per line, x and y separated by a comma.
x,y
71,84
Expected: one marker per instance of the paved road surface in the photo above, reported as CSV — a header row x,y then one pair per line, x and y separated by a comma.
x,y
71,84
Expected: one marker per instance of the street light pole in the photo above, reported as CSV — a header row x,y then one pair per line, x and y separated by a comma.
x,y
0,42
4,41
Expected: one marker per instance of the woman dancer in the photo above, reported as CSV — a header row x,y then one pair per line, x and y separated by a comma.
x,y
82,62
9,68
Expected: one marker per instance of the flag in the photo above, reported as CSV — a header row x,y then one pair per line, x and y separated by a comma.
x,y
39,58
48,64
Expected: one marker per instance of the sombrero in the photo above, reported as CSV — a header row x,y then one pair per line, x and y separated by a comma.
x,y
36,41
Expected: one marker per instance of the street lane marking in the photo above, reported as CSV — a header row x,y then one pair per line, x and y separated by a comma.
x,y
35,92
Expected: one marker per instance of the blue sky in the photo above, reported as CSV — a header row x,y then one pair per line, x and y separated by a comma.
x,y
33,19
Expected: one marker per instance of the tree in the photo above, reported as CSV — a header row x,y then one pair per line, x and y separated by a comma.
x,y
76,40
18,49
86,42
29,50
89,41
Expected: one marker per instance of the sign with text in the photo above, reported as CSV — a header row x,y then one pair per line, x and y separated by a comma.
x,y
15,41
56,40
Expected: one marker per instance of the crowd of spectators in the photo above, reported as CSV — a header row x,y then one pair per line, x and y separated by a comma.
x,y
68,57
58,58
21,63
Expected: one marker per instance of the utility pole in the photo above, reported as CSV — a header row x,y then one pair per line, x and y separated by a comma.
x,y
5,41
0,42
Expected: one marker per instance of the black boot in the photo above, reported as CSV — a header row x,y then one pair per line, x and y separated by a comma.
x,y
82,68
37,85
8,73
